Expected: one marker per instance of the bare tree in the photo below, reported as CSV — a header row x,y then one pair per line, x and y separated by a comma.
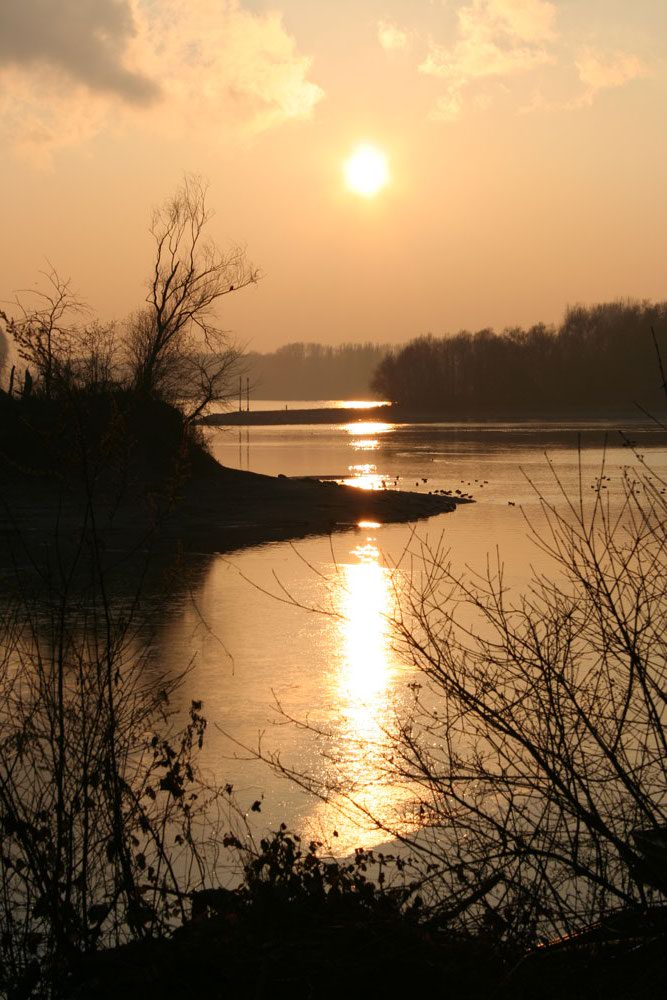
x,y
176,349
185,373
45,331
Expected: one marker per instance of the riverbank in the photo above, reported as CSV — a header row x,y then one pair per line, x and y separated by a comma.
x,y
222,509
392,413
299,937
218,511
134,471
286,417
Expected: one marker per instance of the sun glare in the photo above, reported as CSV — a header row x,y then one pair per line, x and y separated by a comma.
x,y
366,171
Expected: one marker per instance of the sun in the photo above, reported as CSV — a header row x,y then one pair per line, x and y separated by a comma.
x,y
366,171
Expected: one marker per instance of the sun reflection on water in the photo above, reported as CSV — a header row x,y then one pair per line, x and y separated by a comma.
x,y
365,476
364,469
364,688
365,444
369,481
364,433
363,428
365,603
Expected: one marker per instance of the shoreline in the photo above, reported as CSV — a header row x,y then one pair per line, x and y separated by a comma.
x,y
597,420
218,509
238,509
128,472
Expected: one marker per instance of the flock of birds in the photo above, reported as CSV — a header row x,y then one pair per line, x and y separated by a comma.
x,y
393,481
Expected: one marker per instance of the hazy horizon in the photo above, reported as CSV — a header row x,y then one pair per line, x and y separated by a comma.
x,y
524,142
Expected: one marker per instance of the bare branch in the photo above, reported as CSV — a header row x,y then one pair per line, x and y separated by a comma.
x,y
170,340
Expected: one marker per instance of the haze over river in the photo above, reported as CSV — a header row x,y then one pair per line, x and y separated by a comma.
x,y
305,623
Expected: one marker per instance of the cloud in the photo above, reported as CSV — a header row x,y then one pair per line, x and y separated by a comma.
x,y
603,71
495,39
36,127
391,37
448,107
219,69
85,39
524,20
228,64
597,71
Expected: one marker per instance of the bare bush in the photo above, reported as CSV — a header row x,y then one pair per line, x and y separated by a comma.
x,y
537,735
533,752
46,329
105,821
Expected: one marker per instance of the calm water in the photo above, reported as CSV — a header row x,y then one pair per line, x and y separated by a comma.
x,y
301,630
303,627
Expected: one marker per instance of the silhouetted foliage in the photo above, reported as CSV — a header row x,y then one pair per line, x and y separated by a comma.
x,y
303,924
586,364
92,776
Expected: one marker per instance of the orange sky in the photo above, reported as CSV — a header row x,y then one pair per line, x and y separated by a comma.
x,y
526,143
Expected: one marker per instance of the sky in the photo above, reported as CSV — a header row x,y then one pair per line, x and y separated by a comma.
x,y
525,142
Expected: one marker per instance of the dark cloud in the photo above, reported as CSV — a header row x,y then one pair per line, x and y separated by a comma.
x,y
85,38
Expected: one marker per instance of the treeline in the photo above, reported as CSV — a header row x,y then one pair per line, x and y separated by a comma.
x,y
598,358
315,371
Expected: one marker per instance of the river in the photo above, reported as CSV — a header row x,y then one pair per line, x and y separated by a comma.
x,y
301,629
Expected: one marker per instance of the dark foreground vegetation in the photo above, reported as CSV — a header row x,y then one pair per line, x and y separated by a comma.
x,y
304,925
598,361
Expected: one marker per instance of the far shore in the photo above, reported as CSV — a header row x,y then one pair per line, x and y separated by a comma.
x,y
392,413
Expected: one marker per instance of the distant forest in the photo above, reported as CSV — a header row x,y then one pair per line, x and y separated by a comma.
x,y
314,371
598,359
